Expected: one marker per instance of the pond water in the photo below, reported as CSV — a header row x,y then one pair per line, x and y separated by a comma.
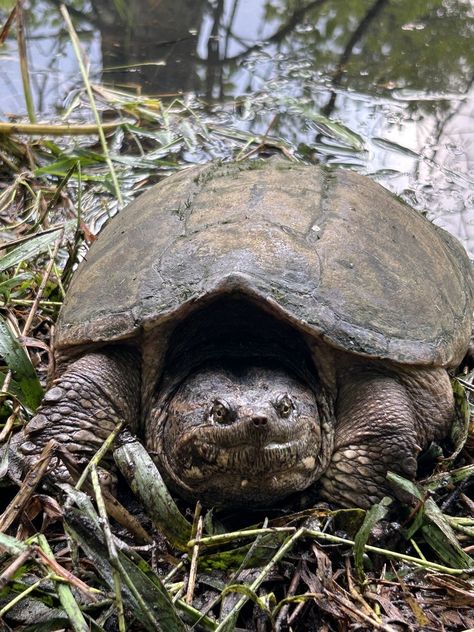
x,y
382,86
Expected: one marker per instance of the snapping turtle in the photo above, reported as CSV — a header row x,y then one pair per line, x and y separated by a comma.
x,y
263,327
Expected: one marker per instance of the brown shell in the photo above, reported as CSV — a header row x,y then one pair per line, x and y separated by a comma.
x,y
329,250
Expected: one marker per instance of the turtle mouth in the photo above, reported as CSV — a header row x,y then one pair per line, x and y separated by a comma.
x,y
203,453
245,474
246,457
238,433
245,464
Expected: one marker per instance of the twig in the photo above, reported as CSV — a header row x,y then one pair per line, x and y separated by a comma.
x,y
392,554
295,580
14,567
28,487
99,455
70,605
194,560
355,594
44,280
7,428
225,538
6,27
26,302
46,556
45,129
346,605
77,49
287,545
466,384
216,540
114,508
111,549
113,556
262,143
25,75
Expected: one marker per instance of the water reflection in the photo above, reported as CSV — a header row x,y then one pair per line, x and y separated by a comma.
x,y
150,45
383,86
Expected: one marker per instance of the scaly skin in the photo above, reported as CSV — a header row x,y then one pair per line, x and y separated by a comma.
x,y
241,435
86,402
383,416
383,421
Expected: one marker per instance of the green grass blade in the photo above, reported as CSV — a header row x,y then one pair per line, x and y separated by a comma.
x,y
146,482
12,545
376,513
28,249
70,605
24,378
440,536
153,607
80,58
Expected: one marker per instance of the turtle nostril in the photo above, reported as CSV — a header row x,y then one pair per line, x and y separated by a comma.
x,y
259,421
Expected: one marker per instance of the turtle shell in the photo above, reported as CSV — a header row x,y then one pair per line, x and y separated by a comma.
x,y
328,250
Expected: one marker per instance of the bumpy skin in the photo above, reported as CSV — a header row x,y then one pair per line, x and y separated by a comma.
x,y
239,435
383,420
253,435
86,402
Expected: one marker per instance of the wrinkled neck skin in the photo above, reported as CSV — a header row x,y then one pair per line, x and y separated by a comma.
x,y
239,433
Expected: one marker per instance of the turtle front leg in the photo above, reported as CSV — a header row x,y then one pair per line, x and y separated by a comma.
x,y
382,423
86,402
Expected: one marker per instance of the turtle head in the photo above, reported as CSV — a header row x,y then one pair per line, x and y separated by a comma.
x,y
241,435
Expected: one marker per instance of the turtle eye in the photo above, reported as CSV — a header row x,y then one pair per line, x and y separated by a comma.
x,y
284,406
220,412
